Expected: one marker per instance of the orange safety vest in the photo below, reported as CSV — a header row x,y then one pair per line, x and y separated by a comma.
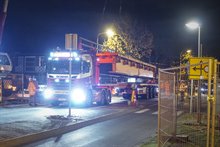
x,y
32,88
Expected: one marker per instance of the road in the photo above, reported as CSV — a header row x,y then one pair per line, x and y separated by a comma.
x,y
127,131
124,127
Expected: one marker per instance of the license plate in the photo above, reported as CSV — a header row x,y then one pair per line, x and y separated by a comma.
x,y
60,92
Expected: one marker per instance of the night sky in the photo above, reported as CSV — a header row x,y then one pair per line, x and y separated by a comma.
x,y
36,26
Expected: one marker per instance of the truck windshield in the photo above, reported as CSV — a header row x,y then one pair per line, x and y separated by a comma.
x,y
62,67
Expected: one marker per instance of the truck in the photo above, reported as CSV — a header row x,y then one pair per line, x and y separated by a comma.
x,y
85,75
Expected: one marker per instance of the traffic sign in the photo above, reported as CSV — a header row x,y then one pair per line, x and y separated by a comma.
x,y
198,68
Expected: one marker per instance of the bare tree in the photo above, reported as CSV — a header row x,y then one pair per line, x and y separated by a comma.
x,y
132,38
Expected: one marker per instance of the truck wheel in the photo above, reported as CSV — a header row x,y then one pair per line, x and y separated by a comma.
x,y
108,98
89,99
103,99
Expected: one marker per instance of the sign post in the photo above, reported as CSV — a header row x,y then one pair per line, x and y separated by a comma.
x,y
71,42
199,70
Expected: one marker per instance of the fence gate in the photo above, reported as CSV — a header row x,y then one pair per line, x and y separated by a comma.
x,y
167,107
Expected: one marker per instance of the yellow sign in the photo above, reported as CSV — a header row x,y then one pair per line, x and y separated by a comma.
x,y
198,68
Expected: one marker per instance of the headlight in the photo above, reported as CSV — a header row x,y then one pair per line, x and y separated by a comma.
x,y
57,80
78,95
48,93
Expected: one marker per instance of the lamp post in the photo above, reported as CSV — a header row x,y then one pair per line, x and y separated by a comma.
x,y
195,25
109,33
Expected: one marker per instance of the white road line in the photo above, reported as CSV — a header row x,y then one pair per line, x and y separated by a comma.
x,y
178,112
142,111
156,112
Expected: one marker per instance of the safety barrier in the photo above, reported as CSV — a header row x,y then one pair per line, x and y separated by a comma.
x,y
189,108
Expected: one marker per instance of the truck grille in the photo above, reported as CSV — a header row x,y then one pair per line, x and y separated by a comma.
x,y
61,85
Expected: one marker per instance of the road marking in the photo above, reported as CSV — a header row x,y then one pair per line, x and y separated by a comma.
x,y
178,112
155,112
142,111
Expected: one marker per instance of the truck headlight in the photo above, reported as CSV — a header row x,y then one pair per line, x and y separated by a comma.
x,y
78,95
48,93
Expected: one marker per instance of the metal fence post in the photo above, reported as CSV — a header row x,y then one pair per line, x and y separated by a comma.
x,y
174,109
209,99
191,97
214,103
159,111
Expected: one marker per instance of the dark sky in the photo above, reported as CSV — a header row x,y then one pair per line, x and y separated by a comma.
x,y
35,26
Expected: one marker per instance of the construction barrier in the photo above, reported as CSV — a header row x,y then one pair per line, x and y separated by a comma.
x,y
188,105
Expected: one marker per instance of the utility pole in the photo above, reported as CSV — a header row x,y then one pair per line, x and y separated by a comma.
x,y
2,23
3,14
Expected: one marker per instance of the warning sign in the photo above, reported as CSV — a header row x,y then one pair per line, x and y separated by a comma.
x,y
198,68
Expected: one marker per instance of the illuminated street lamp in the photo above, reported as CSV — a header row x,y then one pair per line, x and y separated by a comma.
x,y
189,51
195,25
109,33
184,55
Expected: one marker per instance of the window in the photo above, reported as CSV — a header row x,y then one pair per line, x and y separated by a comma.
x,y
4,60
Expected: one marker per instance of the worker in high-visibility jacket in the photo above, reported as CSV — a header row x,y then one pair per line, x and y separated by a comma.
x,y
32,88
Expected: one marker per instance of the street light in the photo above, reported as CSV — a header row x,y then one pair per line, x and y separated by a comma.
x,y
195,25
184,55
109,33
189,51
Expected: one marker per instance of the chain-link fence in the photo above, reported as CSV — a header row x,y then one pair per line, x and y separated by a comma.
x,y
217,125
186,108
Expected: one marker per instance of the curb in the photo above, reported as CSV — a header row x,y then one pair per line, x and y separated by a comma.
x,y
28,139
